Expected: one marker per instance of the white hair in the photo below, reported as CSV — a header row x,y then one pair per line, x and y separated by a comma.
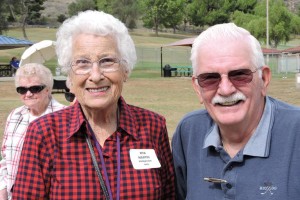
x,y
31,70
228,31
98,23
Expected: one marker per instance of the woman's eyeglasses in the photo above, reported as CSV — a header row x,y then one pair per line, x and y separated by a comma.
x,y
84,66
33,89
69,96
239,77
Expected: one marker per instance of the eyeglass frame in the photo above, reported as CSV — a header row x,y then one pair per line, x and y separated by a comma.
x,y
235,83
103,70
39,88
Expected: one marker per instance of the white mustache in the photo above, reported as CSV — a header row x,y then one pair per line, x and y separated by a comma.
x,y
232,98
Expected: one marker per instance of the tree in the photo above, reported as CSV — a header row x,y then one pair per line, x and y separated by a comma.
x,y
174,14
61,18
282,22
126,10
207,12
24,12
3,16
162,13
104,5
154,12
210,12
81,5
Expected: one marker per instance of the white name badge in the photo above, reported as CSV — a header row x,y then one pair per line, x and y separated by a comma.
x,y
144,159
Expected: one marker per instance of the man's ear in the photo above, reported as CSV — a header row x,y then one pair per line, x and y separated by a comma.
x,y
266,78
197,89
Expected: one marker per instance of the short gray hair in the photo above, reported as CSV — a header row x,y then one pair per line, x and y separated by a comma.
x,y
31,70
98,23
231,32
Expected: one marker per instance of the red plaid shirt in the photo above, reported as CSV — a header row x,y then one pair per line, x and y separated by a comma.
x,y
56,162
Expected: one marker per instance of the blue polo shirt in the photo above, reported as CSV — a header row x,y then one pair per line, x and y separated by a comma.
x,y
268,167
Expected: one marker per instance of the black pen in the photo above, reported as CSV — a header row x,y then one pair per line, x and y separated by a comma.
x,y
215,180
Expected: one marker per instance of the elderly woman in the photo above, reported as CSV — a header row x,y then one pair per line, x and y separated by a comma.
x,y
101,147
34,84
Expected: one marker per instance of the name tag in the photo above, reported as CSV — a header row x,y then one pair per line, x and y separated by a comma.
x,y
144,159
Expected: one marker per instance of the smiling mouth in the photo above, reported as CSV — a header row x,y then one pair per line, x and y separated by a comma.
x,y
102,89
229,103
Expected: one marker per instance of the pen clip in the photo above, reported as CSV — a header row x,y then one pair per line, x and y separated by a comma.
x,y
214,180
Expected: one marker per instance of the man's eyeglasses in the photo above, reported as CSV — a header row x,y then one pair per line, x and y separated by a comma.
x,y
84,66
33,89
239,77
69,96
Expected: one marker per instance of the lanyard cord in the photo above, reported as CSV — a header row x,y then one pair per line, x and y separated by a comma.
x,y
106,188
97,167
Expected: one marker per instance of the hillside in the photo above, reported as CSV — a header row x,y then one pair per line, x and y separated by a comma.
x,y
53,8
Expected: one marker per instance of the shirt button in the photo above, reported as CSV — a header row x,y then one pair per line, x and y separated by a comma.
x,y
228,185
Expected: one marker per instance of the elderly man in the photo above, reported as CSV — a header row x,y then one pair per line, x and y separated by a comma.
x,y
245,144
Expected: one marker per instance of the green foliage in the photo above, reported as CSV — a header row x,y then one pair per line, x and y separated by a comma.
x,y
126,10
174,14
104,5
281,22
245,6
295,24
3,21
61,18
158,13
81,5
34,8
209,12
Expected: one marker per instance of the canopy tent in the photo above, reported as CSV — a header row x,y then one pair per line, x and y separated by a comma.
x,y
184,42
11,43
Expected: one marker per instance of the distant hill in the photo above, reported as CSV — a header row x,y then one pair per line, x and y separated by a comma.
x,y
54,8
293,5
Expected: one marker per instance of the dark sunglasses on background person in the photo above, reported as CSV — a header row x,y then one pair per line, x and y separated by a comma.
x,y
69,96
239,77
33,89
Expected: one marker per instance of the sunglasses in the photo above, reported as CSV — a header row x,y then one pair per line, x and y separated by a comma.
x,y
33,89
239,77
69,96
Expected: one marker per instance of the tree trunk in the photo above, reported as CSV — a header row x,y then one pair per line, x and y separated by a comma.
x,y
23,18
11,10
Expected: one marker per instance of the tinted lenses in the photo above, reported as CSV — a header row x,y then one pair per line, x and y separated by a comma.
x,y
238,77
33,89
69,96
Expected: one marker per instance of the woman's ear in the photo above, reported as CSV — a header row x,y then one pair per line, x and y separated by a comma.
x,y
126,75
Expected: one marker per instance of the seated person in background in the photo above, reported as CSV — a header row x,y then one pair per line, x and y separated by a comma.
x,y
14,63
34,84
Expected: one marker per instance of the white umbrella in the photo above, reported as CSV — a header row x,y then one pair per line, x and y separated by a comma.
x,y
39,52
